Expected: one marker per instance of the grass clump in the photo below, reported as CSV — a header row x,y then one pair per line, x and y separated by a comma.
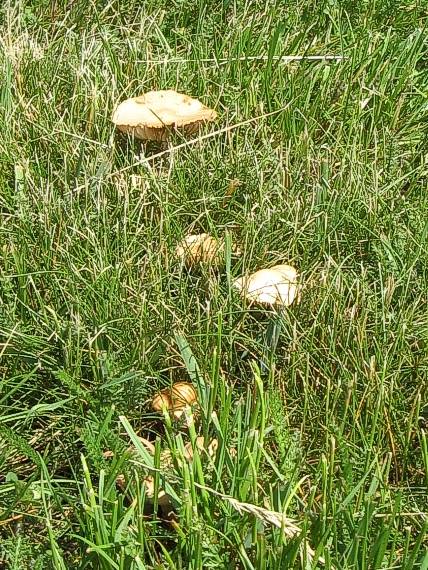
x,y
322,454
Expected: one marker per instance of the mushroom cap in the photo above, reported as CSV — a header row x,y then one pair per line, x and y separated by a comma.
x,y
203,249
149,115
149,484
161,401
275,286
199,446
200,248
183,394
175,399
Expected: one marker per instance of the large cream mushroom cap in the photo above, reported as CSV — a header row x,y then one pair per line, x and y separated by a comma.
x,y
276,286
151,115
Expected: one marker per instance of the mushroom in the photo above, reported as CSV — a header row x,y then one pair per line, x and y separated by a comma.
x,y
165,502
175,399
200,248
200,444
274,287
151,116
277,288
203,249
189,449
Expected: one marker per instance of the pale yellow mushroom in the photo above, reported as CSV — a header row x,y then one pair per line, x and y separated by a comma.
x,y
153,115
274,287
165,501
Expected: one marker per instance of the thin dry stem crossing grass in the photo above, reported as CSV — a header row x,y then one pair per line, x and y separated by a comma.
x,y
224,61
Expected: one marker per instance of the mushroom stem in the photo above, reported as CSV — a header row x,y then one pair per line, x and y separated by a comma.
x,y
271,338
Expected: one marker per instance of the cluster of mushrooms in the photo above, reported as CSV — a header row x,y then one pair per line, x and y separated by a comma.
x,y
154,116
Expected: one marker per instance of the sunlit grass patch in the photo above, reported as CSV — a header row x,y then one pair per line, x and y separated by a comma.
x,y
318,410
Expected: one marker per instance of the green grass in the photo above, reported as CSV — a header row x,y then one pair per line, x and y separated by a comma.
x,y
96,314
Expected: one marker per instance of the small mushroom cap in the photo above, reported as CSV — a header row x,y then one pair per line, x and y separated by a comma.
x,y
200,248
203,249
161,401
182,394
200,444
175,399
275,286
148,115
164,500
